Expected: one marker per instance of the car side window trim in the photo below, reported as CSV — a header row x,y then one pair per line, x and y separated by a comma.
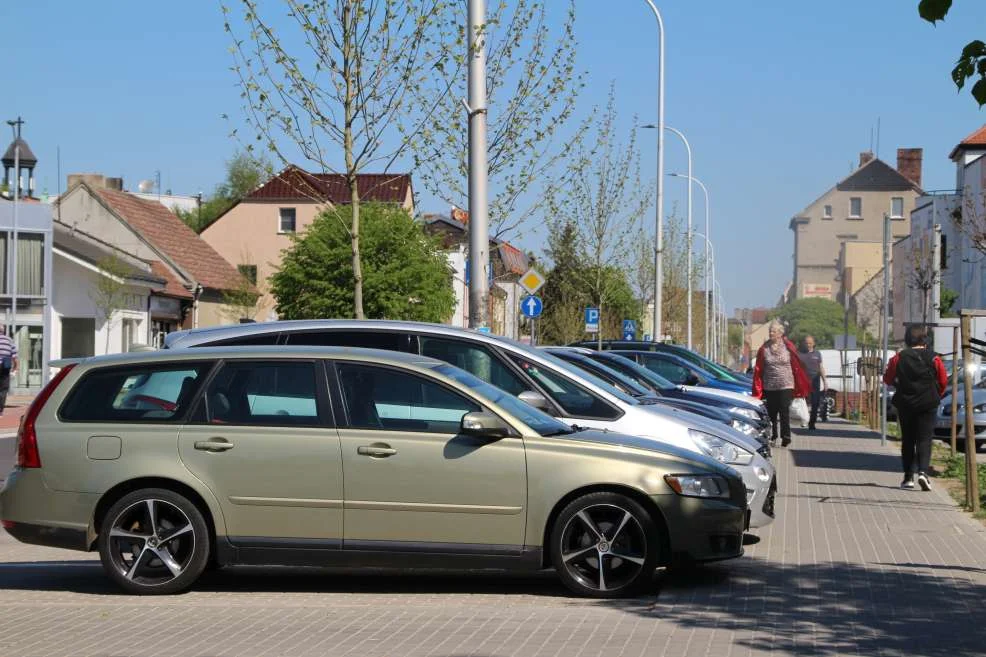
x,y
557,411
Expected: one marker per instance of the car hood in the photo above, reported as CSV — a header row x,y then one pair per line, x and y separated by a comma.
x,y
676,419
615,439
978,397
728,399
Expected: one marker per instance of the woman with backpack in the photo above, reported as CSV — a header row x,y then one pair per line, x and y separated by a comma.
x,y
920,379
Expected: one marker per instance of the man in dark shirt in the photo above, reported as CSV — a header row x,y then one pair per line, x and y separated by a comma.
x,y
812,362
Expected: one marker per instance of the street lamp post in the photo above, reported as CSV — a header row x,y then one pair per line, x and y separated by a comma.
x,y
479,244
688,264
659,220
710,296
708,252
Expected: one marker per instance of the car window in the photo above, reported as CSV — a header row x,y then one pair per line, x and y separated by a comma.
x,y
476,359
263,339
611,376
670,371
159,392
571,397
387,399
387,340
541,422
636,371
271,393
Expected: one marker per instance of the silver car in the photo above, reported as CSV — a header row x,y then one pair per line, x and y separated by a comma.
x,y
943,421
538,378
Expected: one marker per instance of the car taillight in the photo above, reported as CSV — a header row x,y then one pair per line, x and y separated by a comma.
x,y
27,437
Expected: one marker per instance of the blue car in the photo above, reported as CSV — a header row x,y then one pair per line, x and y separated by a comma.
x,y
715,369
681,372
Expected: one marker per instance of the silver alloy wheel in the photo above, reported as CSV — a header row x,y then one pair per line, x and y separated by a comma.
x,y
604,547
151,542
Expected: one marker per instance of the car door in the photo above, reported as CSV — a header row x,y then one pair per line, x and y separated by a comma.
x,y
263,440
411,481
673,372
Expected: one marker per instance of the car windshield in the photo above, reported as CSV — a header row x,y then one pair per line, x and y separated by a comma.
x,y
635,371
568,368
540,422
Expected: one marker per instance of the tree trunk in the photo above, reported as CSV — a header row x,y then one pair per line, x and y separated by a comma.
x,y
349,72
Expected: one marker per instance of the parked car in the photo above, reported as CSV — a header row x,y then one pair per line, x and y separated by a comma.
x,y
718,371
679,371
322,456
751,426
536,377
736,402
943,421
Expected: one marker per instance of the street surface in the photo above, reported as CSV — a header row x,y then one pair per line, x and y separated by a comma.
x,y
854,566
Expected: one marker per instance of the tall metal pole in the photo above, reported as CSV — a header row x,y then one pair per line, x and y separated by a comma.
x,y
12,325
885,324
688,261
659,221
709,271
479,242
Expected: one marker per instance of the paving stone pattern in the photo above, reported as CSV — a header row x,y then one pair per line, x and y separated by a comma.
x,y
854,566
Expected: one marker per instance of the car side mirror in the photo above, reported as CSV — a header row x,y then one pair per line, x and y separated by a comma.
x,y
535,399
692,380
483,425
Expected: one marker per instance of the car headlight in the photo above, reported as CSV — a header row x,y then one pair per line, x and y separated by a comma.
x,y
719,449
981,408
745,412
698,485
743,427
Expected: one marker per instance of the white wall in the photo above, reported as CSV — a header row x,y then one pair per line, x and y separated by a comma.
x,y
72,297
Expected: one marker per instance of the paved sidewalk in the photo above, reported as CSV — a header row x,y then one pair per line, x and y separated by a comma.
x,y
854,566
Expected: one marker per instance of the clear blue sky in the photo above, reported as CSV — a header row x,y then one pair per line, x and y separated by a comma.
x,y
777,97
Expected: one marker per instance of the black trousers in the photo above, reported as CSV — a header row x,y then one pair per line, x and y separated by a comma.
x,y
818,403
915,439
779,409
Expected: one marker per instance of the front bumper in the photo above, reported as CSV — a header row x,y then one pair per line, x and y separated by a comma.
x,y
703,529
943,426
761,486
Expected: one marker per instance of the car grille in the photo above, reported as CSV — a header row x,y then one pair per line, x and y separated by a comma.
x,y
768,503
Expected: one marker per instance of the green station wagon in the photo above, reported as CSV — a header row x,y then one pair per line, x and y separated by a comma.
x,y
167,462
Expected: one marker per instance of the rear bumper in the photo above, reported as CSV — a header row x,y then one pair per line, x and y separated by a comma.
x,y
33,513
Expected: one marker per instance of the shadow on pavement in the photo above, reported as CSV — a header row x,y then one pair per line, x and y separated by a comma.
x,y
824,609
855,432
810,458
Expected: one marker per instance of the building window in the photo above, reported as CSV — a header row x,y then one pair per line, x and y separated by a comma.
x,y
856,207
248,272
897,207
286,220
129,329
827,212
943,253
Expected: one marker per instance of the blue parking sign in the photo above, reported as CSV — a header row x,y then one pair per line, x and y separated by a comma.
x,y
592,320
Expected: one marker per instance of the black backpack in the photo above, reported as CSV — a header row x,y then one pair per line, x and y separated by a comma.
x,y
916,381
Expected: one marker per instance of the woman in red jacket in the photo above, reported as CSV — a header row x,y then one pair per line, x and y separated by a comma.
x,y
779,378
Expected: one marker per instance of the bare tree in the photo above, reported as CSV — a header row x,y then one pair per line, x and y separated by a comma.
x,y
603,199
336,78
110,291
532,84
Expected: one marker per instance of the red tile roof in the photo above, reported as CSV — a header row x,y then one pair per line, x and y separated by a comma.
x,y
170,235
296,184
173,287
977,138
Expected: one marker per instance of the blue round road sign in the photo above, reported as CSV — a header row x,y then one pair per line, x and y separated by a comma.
x,y
531,306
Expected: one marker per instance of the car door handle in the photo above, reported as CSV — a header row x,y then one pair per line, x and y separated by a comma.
x,y
214,445
378,450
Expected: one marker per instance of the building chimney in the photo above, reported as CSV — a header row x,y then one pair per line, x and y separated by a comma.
x,y
909,163
865,156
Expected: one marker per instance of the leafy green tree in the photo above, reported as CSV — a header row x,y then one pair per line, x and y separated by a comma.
x,y
405,274
972,60
244,172
948,298
822,319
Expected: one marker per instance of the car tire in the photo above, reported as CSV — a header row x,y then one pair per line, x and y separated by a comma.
x,y
604,545
154,541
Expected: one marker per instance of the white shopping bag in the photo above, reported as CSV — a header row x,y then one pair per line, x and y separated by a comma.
x,y
799,410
